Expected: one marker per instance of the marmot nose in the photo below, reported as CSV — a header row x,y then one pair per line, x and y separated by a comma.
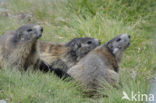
x,y
129,36
99,42
41,29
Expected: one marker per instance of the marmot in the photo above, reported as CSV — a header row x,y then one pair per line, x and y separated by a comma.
x,y
101,64
60,57
18,49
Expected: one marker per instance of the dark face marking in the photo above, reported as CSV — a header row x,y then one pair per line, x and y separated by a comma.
x,y
118,39
89,42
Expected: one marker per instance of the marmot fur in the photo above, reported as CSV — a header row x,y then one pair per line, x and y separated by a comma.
x,y
101,64
64,56
18,49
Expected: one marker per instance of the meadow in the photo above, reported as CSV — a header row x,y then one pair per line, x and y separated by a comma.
x,y
64,20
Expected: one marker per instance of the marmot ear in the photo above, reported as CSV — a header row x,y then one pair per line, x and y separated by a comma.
x,y
18,34
17,37
109,45
76,45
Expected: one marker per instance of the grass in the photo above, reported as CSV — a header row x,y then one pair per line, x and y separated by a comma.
x,y
65,19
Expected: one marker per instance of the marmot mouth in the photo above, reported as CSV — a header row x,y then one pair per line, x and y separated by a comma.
x,y
39,36
127,45
119,47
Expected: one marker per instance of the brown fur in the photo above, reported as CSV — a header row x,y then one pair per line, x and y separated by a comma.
x,y
64,56
92,80
50,52
104,53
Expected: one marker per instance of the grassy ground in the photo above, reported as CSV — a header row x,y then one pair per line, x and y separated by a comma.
x,y
65,19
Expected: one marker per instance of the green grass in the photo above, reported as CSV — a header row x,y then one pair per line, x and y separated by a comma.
x,y
65,19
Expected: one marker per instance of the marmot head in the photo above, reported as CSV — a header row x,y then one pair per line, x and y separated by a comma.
x,y
118,45
81,46
28,32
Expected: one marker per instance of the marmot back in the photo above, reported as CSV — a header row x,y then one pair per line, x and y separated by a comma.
x,y
101,64
18,49
64,56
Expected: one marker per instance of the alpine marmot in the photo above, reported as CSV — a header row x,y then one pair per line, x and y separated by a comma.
x,y
101,64
60,57
18,49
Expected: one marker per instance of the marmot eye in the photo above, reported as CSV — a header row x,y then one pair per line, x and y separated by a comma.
x,y
29,30
118,39
89,42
